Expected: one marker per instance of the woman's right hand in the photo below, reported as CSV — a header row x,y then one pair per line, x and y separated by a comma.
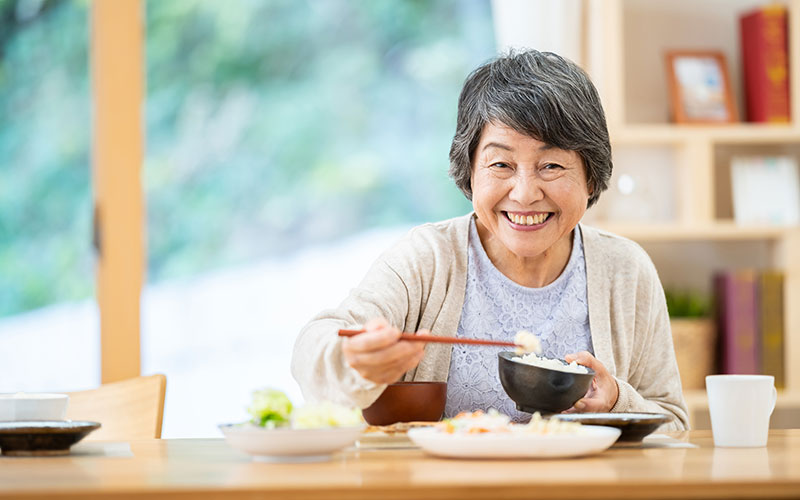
x,y
379,355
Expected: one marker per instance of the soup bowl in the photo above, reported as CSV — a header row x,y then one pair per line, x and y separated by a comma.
x,y
408,402
535,388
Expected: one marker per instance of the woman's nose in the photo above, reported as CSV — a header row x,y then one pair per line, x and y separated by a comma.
x,y
527,189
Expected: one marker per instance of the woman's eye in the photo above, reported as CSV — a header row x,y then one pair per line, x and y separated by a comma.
x,y
553,166
499,165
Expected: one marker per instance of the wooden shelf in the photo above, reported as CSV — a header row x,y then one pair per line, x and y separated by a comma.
x,y
693,161
748,133
718,231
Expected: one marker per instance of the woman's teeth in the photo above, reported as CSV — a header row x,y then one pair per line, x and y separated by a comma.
x,y
527,220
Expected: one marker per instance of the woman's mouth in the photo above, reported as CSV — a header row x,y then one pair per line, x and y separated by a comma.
x,y
529,219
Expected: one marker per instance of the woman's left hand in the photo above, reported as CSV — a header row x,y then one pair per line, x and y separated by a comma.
x,y
603,394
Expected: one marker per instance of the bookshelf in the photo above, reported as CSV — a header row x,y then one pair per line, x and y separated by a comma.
x,y
688,226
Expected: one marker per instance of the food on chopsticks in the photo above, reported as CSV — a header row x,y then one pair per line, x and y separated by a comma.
x,y
480,422
527,342
272,408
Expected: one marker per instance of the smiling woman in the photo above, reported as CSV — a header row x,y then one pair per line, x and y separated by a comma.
x,y
531,152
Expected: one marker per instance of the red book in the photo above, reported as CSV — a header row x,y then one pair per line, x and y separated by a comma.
x,y
765,64
737,321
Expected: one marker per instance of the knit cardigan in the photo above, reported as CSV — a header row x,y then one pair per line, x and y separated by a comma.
x,y
420,283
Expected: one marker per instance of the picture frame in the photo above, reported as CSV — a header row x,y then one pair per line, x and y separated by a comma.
x,y
699,87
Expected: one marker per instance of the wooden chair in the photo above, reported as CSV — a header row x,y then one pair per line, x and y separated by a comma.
x,y
129,409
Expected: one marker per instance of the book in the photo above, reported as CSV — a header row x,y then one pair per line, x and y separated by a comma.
x,y
765,189
764,45
737,321
771,325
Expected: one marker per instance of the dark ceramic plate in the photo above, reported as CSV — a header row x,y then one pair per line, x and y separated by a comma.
x,y
534,388
37,438
634,426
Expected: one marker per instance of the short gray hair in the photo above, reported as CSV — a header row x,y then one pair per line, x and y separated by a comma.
x,y
539,94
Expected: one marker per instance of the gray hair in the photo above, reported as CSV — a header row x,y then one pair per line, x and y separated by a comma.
x,y
539,94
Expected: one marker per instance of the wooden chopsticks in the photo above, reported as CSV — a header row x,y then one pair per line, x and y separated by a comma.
x,y
435,338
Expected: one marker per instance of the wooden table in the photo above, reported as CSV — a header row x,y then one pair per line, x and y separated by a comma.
x,y
208,468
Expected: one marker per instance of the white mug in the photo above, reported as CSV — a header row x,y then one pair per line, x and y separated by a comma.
x,y
740,407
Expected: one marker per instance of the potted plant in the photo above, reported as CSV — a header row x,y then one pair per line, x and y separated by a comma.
x,y
693,334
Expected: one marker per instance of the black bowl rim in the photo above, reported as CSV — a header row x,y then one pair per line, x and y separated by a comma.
x,y
509,354
616,418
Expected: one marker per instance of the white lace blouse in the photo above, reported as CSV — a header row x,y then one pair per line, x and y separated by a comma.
x,y
495,307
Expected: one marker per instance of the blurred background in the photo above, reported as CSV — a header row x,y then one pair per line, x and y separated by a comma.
x,y
286,143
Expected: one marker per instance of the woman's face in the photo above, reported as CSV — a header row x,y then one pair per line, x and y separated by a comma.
x,y
529,195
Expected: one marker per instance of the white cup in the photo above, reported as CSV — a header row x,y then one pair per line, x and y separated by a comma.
x,y
33,406
740,407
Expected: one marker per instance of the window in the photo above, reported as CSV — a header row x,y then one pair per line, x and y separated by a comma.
x,y
288,143
46,263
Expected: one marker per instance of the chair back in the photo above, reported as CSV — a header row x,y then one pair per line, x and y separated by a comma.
x,y
129,409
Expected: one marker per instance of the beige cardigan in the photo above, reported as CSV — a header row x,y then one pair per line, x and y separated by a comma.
x,y
421,281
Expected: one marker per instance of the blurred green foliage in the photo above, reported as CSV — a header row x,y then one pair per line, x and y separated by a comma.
x,y
45,198
282,123
271,124
687,303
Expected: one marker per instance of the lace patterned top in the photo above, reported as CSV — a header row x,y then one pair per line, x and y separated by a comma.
x,y
495,307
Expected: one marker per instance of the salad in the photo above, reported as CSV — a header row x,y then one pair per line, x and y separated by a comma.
x,y
272,408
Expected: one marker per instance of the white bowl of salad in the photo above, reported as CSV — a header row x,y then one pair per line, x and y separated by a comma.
x,y
278,432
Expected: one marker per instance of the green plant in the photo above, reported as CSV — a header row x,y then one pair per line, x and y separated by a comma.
x,y
687,303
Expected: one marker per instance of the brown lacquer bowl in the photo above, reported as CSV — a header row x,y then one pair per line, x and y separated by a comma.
x,y
408,402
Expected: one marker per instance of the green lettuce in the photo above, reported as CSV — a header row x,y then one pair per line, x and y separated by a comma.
x,y
270,408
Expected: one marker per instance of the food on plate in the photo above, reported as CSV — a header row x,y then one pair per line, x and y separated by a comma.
x,y
325,414
480,422
527,342
552,364
272,408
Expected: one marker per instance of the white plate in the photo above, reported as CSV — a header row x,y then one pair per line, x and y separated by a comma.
x,y
588,440
289,445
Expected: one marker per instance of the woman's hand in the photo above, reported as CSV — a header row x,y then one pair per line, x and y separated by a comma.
x,y
378,355
603,394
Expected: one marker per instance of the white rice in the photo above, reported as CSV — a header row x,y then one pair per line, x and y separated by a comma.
x,y
553,364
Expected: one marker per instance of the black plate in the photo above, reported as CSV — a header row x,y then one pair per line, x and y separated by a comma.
x,y
634,426
35,438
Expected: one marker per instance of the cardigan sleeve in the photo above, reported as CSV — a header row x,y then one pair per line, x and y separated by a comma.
x,y
655,375
318,363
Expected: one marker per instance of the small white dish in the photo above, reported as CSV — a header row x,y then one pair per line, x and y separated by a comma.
x,y
590,439
290,445
26,406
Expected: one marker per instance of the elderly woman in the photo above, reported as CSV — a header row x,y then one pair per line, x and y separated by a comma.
x,y
531,151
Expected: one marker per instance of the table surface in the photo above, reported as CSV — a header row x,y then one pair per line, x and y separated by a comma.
x,y
209,468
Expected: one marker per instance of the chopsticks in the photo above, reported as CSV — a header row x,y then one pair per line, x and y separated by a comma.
x,y
437,339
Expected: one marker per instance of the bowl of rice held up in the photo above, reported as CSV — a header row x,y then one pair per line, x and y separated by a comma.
x,y
541,384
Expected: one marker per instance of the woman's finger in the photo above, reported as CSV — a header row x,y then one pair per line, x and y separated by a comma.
x,y
373,340
399,352
391,373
